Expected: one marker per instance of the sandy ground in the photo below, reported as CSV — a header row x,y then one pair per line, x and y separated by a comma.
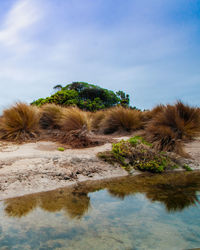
x,y
36,167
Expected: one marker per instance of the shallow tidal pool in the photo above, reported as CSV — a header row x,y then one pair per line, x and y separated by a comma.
x,y
135,212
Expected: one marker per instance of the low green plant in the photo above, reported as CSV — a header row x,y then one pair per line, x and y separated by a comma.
x,y
187,168
137,153
138,139
61,149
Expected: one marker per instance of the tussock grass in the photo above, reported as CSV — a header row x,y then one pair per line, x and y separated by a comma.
x,y
97,118
74,119
51,115
121,119
150,114
173,124
19,123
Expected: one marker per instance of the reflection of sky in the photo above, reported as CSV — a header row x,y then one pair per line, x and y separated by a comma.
x,y
111,223
149,49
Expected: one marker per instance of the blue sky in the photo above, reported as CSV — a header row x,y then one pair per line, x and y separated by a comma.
x,y
147,48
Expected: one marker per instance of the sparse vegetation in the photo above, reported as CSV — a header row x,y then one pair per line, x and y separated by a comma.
x,y
19,123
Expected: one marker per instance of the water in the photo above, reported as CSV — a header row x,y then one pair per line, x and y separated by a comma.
x,y
142,212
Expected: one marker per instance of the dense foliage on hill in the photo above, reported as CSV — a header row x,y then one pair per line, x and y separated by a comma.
x,y
85,96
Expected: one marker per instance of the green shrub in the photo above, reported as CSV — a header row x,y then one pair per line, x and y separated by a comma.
x,y
187,168
137,153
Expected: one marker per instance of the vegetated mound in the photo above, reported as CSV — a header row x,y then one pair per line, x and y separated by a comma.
x,y
171,125
19,123
136,153
85,96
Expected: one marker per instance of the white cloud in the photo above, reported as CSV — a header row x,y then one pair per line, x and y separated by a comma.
x,y
18,21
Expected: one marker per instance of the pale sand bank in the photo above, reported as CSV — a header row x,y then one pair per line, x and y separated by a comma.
x,y
36,167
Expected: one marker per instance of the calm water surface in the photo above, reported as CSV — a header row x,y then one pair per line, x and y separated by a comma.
x,y
142,212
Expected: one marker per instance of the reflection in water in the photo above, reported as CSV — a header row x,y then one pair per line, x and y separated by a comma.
x,y
175,190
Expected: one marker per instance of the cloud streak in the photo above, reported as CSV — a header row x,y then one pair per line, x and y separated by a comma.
x,y
17,23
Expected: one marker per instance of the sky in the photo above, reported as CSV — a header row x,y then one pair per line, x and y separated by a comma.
x,y
148,48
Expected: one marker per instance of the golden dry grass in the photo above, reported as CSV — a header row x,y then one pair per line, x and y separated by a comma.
x,y
96,120
121,119
51,115
150,114
19,123
74,119
172,125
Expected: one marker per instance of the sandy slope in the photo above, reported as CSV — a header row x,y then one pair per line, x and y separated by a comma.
x,y
36,167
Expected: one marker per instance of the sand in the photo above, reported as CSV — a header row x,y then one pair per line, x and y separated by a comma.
x,y
37,167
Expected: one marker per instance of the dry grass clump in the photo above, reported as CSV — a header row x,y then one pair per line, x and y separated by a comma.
x,y
121,119
50,116
97,118
19,123
150,114
75,127
172,125
74,119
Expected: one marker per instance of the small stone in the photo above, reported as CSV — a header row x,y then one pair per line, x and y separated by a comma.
x,y
132,171
66,177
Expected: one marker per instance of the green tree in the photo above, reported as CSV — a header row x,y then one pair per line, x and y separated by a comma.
x,y
86,96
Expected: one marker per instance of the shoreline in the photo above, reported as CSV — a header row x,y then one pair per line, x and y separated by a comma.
x,y
39,167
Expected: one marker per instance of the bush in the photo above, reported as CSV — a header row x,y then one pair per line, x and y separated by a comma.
x,y
51,115
19,123
121,119
136,153
172,125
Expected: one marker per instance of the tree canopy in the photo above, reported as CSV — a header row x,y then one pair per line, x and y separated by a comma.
x,y
86,96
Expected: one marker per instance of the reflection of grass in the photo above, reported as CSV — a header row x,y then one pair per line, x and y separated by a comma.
x,y
176,191
21,206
